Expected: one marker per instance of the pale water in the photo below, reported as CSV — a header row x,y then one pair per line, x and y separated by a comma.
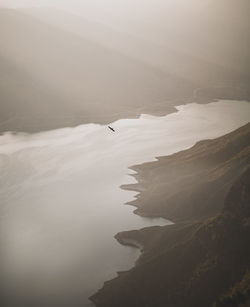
x,y
61,203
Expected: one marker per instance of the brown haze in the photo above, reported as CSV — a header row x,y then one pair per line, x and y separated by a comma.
x,y
64,63
71,62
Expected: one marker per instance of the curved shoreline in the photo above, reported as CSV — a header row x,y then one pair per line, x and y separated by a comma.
x,y
146,238
201,95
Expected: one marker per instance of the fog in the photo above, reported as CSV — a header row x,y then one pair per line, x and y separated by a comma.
x,y
68,68
61,202
97,61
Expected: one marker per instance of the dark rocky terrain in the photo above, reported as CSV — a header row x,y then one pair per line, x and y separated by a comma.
x,y
203,259
192,184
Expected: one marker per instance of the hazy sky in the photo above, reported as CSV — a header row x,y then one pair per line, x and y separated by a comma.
x,y
111,7
83,3
136,52
126,15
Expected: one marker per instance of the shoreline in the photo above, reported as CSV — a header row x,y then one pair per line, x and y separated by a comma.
x,y
203,95
144,239
128,241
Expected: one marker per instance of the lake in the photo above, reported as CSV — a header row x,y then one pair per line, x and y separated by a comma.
x,y
61,202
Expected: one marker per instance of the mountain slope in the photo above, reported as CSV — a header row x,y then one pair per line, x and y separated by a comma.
x,y
188,264
192,184
81,71
201,45
88,79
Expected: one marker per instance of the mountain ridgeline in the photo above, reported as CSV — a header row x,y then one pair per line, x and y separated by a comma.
x,y
60,69
54,78
203,259
193,183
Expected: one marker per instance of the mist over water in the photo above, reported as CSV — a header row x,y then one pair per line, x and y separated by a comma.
x,y
61,202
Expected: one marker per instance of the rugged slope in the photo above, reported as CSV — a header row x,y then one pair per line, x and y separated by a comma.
x,y
192,184
201,263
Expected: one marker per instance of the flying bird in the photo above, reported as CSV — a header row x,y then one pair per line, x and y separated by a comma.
x,y
111,128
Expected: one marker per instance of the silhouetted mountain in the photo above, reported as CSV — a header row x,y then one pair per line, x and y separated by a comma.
x,y
202,263
180,48
81,71
89,80
205,44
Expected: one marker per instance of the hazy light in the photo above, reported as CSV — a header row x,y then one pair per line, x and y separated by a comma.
x,y
62,205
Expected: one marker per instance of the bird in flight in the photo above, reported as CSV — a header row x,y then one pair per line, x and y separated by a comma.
x,y
111,128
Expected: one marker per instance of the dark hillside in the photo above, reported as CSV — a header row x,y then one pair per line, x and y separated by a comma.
x,y
192,184
191,263
186,266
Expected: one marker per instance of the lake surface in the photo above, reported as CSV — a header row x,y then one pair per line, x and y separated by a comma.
x,y
61,204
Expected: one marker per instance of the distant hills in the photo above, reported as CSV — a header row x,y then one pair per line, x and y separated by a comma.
x,y
203,259
64,75
59,69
